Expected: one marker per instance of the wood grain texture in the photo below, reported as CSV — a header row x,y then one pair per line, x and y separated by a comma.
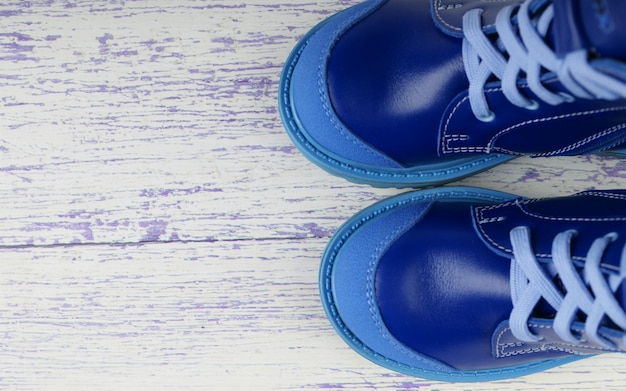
x,y
194,316
141,122
158,230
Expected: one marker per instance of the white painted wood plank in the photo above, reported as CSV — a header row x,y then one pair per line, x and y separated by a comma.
x,y
197,316
142,121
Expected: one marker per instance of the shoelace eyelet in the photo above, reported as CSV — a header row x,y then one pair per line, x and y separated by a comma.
x,y
490,117
533,105
567,97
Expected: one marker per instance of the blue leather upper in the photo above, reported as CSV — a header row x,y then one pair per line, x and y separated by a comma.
x,y
396,81
603,26
311,102
591,213
442,287
442,292
391,75
448,14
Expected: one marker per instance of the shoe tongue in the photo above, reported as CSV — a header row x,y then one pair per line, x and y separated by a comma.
x,y
594,25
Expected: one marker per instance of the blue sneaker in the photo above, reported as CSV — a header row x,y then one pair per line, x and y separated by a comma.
x,y
465,284
407,93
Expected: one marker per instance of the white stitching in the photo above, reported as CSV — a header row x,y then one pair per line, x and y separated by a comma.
x,y
584,141
492,220
486,235
557,346
448,138
446,149
481,220
550,218
615,196
545,119
438,6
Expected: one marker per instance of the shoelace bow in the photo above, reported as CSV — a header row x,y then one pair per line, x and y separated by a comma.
x,y
520,52
594,296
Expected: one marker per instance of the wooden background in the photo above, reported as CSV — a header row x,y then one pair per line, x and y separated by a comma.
x,y
158,230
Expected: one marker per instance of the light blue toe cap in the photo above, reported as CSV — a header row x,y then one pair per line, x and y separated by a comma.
x,y
351,290
309,97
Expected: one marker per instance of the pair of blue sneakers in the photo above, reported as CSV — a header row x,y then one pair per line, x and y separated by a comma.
x,y
458,283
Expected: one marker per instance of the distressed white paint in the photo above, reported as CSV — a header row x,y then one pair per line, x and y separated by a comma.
x,y
157,228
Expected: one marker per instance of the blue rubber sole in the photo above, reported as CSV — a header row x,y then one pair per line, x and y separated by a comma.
x,y
351,227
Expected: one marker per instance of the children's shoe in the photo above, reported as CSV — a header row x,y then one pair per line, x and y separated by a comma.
x,y
465,284
407,93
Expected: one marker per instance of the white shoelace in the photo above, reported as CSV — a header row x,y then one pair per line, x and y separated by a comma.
x,y
592,294
521,56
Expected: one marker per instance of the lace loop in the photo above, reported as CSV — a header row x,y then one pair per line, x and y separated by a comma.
x,y
589,291
530,284
570,277
528,60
